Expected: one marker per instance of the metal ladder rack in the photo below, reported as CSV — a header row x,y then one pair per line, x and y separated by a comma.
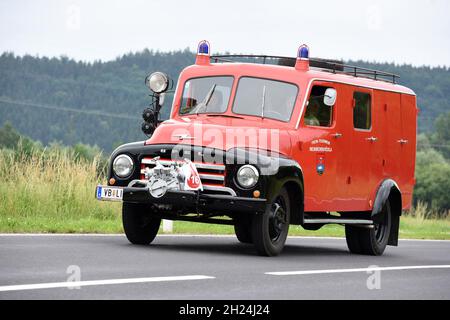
x,y
334,66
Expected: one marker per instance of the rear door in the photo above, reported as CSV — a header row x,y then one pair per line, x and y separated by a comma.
x,y
407,144
390,102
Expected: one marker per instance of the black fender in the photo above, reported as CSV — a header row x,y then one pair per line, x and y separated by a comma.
x,y
276,171
289,176
389,191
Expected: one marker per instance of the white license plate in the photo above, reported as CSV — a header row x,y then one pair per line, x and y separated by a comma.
x,y
109,193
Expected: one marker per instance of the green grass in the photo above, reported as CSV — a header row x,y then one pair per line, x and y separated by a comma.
x,y
50,192
410,228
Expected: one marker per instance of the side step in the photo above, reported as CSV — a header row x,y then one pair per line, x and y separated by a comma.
x,y
337,220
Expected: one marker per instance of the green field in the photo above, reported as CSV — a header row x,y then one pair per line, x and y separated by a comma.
x,y
53,192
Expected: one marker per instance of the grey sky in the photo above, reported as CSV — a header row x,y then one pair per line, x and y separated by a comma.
x,y
400,31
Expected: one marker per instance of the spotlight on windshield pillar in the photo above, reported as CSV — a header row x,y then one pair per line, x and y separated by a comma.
x,y
203,53
302,62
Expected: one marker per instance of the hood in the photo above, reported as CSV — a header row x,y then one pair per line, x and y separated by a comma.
x,y
223,133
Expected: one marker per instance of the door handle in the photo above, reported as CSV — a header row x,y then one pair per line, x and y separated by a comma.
x,y
402,141
337,135
372,139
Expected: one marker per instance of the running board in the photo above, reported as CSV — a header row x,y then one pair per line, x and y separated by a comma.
x,y
339,221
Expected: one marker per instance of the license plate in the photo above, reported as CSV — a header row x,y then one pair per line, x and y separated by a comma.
x,y
109,193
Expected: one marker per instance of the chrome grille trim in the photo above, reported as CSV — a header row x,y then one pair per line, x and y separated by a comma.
x,y
151,161
211,177
209,166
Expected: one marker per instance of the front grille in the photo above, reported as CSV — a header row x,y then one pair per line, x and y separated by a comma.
x,y
211,174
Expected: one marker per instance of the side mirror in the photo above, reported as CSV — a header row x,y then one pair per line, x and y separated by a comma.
x,y
329,98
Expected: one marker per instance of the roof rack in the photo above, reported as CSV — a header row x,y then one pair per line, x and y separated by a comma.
x,y
334,66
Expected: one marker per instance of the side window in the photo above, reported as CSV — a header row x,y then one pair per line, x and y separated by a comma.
x,y
317,112
361,112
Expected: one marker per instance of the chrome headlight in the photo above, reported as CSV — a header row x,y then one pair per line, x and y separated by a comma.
x,y
247,176
123,166
158,82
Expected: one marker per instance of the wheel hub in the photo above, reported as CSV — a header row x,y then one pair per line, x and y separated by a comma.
x,y
277,220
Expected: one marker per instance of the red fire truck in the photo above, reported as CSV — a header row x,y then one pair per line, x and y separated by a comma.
x,y
264,142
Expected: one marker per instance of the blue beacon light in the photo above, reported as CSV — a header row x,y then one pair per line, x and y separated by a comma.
x,y
203,48
303,52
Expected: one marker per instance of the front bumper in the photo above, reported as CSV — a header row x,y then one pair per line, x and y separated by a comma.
x,y
190,201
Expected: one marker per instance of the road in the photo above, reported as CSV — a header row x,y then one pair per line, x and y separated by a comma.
x,y
209,267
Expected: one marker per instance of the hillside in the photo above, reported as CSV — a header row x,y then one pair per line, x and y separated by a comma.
x,y
59,99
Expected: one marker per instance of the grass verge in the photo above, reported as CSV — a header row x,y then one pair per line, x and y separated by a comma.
x,y
410,227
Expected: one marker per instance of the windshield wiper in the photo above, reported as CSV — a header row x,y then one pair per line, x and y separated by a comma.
x,y
204,102
210,94
224,115
263,102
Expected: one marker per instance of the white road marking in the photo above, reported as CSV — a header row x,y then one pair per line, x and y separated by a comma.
x,y
68,284
306,272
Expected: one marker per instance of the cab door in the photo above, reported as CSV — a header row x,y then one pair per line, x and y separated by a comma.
x,y
318,149
341,139
363,144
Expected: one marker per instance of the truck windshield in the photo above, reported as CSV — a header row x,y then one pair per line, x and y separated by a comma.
x,y
206,95
265,98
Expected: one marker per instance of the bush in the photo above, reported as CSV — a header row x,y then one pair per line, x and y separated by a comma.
x,y
432,180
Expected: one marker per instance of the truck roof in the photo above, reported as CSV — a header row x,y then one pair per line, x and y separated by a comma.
x,y
360,77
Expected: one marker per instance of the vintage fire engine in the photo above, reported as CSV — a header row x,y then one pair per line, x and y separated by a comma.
x,y
263,142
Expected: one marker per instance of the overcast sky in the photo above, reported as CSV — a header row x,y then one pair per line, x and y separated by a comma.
x,y
401,31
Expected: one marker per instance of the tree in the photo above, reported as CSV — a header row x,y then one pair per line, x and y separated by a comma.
x,y
442,136
432,180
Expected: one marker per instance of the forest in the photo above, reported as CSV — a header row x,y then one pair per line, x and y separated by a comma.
x,y
100,103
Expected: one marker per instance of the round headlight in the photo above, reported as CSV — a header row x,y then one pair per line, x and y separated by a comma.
x,y
247,176
123,166
158,82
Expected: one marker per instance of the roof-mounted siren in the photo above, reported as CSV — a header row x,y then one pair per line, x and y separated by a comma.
x,y
302,62
203,53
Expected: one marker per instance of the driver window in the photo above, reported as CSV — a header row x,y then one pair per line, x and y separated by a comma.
x,y
206,95
317,113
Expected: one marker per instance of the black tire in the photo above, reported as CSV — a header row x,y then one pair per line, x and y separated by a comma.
x,y
270,229
352,235
139,225
243,228
370,241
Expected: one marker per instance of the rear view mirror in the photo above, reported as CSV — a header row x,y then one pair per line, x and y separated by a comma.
x,y
329,98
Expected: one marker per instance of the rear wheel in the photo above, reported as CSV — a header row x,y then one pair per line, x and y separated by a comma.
x,y
270,229
139,225
243,228
370,241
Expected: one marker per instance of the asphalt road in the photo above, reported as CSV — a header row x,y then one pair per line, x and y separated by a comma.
x,y
204,267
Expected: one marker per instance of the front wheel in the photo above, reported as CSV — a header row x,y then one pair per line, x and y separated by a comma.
x,y
370,241
270,229
139,225
243,228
